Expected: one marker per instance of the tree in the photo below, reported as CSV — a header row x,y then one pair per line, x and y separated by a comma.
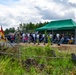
x,y
7,31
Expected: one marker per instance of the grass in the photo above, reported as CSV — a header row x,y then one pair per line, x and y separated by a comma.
x,y
9,67
41,64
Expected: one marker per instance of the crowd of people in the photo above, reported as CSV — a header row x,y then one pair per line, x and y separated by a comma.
x,y
39,37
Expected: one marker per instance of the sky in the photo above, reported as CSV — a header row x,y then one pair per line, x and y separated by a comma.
x,y
14,12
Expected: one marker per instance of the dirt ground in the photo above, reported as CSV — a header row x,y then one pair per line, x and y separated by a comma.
x,y
62,47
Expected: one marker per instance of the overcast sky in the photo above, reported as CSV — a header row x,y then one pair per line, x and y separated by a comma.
x,y
14,12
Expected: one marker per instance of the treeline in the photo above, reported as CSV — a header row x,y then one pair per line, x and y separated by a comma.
x,y
9,30
29,27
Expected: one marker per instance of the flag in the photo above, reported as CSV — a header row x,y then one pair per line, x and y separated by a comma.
x,y
2,34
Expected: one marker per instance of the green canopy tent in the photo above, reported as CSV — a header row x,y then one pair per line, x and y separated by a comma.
x,y
67,24
59,25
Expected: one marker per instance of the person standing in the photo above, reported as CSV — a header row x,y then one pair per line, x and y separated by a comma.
x,y
58,37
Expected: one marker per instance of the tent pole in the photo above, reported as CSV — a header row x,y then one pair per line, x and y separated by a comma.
x,y
75,36
52,37
52,31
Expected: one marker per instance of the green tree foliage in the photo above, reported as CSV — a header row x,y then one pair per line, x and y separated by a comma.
x,y
31,26
26,27
10,30
7,31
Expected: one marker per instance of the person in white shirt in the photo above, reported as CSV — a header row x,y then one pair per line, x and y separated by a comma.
x,y
57,35
23,37
33,36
